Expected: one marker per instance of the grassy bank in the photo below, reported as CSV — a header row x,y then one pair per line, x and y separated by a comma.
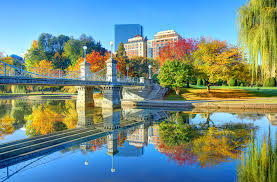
x,y
221,93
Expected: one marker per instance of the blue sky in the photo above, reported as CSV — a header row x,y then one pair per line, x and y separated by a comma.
x,y
22,21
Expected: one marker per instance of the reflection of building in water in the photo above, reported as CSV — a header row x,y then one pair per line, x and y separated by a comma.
x,y
272,118
154,137
139,137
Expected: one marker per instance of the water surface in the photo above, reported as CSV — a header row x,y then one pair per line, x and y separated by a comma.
x,y
157,145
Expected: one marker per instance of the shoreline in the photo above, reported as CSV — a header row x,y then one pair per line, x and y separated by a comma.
x,y
171,104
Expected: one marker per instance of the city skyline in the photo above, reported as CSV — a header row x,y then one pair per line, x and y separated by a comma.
x,y
98,20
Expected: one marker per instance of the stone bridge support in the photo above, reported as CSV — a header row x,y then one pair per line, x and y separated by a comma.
x,y
111,97
85,95
111,93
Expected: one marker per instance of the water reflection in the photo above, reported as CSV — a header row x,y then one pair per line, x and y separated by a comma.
x,y
186,138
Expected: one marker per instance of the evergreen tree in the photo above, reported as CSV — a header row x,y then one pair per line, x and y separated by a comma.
x,y
121,51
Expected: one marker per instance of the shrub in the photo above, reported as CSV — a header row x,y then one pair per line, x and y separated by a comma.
x,y
199,82
155,78
270,82
241,85
232,82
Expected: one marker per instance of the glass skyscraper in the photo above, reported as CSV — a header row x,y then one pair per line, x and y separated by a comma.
x,y
122,32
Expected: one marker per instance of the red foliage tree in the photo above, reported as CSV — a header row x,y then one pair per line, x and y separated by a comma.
x,y
97,61
180,50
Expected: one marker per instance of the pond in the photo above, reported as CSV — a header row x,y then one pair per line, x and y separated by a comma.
x,y
134,144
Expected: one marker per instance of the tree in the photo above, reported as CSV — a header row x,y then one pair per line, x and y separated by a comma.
x,y
97,61
258,33
33,55
138,66
120,52
216,60
180,50
73,50
175,74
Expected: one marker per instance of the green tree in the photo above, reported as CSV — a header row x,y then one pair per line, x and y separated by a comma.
x,y
258,33
138,66
120,52
73,50
34,55
175,74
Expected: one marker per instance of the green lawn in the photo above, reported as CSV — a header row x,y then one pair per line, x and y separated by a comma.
x,y
223,92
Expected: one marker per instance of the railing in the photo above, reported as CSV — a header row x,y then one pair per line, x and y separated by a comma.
x,y
124,79
35,72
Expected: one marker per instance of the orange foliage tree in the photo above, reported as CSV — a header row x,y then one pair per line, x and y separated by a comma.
x,y
97,61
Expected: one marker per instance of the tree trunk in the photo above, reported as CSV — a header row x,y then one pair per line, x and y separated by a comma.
x,y
208,89
208,86
187,84
178,90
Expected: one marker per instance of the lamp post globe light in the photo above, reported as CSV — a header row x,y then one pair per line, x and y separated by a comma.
x,y
150,71
85,51
127,71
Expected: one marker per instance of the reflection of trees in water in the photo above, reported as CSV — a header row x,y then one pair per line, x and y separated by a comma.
x,y
41,121
6,126
259,163
12,116
52,116
206,146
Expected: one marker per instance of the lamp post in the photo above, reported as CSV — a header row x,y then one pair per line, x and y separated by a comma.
x,y
85,48
150,71
86,162
127,71
111,44
112,169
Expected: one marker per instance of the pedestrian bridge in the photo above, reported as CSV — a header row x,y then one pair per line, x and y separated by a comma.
x,y
113,84
110,75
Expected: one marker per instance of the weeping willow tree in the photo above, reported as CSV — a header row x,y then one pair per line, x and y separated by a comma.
x,y
258,34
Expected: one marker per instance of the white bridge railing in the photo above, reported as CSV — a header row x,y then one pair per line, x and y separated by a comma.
x,y
36,72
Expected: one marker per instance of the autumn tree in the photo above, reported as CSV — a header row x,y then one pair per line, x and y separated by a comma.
x,y
181,50
175,74
97,61
34,55
216,60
